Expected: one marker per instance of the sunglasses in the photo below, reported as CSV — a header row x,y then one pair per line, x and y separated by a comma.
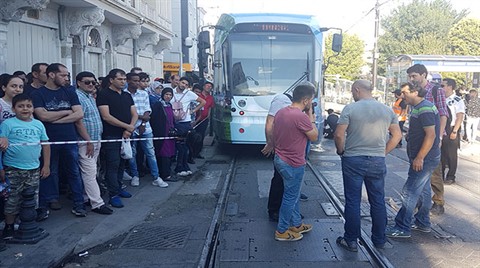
x,y
89,83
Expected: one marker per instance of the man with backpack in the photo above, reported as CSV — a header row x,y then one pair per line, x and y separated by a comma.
x,y
435,94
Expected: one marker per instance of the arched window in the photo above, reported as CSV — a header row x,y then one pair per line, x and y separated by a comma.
x,y
93,39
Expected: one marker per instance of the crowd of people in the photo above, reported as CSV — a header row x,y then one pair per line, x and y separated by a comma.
x,y
435,114
54,132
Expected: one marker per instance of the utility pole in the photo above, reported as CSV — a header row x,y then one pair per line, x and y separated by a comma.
x,y
375,45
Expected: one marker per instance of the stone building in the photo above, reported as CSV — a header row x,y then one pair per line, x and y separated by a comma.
x,y
93,35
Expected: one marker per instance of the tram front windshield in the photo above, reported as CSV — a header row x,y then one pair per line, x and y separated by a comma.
x,y
267,64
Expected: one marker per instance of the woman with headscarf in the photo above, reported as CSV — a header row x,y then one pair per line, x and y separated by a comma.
x,y
162,123
155,92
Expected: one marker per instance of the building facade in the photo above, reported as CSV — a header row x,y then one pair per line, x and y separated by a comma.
x,y
86,35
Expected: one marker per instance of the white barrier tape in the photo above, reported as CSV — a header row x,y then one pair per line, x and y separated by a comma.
x,y
82,142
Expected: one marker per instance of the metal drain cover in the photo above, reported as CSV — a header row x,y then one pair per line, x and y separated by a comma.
x,y
156,237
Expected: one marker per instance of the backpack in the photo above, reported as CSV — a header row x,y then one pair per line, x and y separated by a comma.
x,y
178,113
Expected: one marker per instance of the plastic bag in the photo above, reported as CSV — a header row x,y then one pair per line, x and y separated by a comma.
x,y
126,149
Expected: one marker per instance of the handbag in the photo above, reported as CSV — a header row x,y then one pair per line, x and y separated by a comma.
x,y
126,149
178,113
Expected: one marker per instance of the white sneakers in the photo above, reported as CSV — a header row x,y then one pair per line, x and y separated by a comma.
x,y
185,173
126,176
160,183
135,181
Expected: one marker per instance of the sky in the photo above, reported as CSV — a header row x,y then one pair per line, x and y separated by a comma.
x,y
351,15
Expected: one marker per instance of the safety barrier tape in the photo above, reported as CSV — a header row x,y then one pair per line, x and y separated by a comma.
x,y
96,141
92,141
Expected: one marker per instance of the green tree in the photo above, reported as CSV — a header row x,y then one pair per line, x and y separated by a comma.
x,y
464,39
349,61
419,27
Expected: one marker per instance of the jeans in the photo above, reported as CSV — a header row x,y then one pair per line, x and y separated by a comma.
x,y
182,156
67,156
372,171
148,150
114,166
416,193
292,182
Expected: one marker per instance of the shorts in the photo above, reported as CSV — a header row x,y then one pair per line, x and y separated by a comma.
x,y
19,180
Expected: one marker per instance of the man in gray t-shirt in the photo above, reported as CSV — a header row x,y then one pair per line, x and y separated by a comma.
x,y
361,141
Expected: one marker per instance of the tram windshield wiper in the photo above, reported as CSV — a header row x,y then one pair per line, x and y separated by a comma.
x,y
296,83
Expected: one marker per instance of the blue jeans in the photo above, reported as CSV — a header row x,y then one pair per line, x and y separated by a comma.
x,y
148,150
292,181
114,166
372,171
417,193
67,156
182,156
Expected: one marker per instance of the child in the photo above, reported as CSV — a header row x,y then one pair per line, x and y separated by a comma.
x,y
21,162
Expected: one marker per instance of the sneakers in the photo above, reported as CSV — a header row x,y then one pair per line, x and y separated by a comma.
x,y
189,172
116,202
448,182
421,228
437,210
182,173
170,178
160,183
55,205
288,236
350,246
393,232
303,228
126,176
124,194
135,181
303,197
8,231
79,212
42,214
104,210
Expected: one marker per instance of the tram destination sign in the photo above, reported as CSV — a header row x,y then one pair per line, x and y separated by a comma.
x,y
272,27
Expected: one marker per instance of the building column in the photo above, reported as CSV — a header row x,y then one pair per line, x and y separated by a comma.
x,y
3,46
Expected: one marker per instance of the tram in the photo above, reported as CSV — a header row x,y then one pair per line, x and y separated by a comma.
x,y
257,56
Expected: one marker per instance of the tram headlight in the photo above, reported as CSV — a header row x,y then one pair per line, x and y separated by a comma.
x,y
233,109
241,112
242,103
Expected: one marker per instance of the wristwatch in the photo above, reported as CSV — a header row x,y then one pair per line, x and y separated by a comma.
x,y
454,132
144,124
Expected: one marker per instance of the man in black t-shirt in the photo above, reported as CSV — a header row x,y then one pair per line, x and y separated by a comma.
x,y
58,108
119,115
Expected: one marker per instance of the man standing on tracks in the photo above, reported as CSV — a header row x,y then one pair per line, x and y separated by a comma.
x,y
360,140
436,95
293,126
423,139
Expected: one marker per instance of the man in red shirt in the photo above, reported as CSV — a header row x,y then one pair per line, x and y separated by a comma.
x,y
203,115
292,127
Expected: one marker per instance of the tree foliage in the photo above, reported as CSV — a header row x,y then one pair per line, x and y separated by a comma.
x,y
349,62
420,27
464,37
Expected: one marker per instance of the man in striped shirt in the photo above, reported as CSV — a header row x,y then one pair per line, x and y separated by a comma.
x,y
90,129
436,95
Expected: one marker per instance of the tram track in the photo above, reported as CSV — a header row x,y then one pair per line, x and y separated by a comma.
x,y
208,256
376,257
